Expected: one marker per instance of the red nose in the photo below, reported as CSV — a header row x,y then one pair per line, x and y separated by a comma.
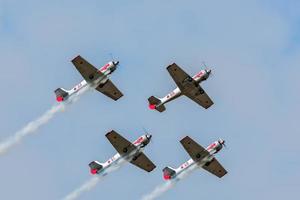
x,y
59,98
152,106
167,177
94,171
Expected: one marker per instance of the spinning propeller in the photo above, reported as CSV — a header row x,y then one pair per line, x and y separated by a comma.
x,y
206,68
222,142
149,136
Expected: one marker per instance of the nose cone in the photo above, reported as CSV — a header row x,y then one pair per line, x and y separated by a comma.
x,y
149,137
146,140
221,141
208,71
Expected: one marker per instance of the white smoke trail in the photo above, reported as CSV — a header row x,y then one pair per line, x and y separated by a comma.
x,y
159,190
87,186
30,128
91,183
34,125
166,186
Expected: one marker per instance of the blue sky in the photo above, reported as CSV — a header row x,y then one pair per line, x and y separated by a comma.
x,y
253,48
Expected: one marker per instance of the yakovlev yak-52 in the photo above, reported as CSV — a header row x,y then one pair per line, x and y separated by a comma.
x,y
131,152
187,85
96,78
199,156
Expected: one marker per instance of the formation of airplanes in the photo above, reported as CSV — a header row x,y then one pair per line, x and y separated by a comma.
x,y
133,151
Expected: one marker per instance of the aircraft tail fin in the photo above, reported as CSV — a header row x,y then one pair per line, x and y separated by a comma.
x,y
168,173
61,94
155,103
95,167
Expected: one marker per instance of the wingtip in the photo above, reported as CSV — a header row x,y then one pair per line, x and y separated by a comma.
x,y
108,133
185,138
171,65
76,58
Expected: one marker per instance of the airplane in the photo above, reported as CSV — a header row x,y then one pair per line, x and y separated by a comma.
x,y
187,85
200,157
131,152
97,78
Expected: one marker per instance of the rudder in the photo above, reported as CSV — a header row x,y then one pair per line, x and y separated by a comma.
x,y
95,167
155,103
61,94
168,173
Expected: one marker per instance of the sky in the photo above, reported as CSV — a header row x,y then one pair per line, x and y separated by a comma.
x,y
252,47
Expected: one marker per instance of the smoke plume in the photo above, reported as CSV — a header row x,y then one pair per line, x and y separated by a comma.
x,y
166,186
91,183
87,186
34,125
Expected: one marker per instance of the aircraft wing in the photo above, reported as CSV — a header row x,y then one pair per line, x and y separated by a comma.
x,y
189,86
143,162
88,71
196,151
178,75
199,96
110,90
122,145
215,168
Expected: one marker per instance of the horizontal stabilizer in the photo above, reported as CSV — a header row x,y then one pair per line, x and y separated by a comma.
x,y
61,94
95,167
168,172
155,103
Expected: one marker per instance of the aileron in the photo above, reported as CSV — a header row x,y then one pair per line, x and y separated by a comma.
x,y
110,90
143,162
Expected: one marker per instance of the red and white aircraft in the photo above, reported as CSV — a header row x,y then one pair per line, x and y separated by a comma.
x,y
96,78
200,157
187,85
131,152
